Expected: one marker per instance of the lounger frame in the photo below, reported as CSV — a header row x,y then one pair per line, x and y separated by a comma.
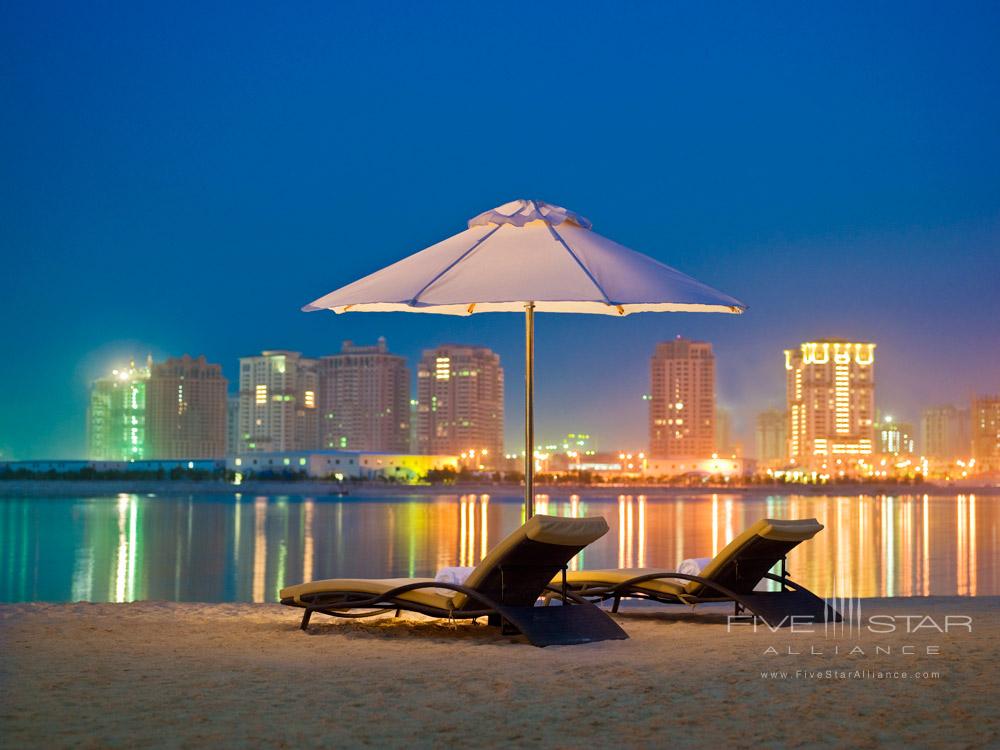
x,y
578,621
792,604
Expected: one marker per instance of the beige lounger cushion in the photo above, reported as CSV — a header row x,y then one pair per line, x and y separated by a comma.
x,y
427,597
566,531
766,528
543,529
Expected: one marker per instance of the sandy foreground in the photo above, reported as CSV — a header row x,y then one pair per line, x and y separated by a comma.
x,y
153,674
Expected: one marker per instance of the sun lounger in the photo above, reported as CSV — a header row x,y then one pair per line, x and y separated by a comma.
x,y
732,575
504,588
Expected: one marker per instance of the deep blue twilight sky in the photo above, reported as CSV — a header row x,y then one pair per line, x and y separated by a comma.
x,y
183,179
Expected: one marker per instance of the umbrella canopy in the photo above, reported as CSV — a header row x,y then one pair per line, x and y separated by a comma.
x,y
528,256
527,251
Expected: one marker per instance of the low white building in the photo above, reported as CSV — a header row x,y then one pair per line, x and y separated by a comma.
x,y
715,466
402,467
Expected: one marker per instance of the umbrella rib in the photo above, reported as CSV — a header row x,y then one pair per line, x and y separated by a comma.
x,y
459,259
579,262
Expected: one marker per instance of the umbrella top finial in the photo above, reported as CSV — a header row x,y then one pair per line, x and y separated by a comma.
x,y
524,211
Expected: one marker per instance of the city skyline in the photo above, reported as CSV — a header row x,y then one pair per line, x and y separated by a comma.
x,y
956,386
852,194
378,382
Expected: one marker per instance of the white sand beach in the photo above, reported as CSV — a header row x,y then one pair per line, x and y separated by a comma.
x,y
153,674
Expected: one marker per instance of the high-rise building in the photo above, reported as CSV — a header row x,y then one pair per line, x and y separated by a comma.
x,y
116,415
944,433
185,409
893,437
232,423
365,399
985,416
771,436
831,400
460,402
279,400
682,400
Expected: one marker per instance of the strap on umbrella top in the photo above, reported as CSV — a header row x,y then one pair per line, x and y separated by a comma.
x,y
523,211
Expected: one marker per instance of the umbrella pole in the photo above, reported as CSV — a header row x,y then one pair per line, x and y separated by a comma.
x,y
529,410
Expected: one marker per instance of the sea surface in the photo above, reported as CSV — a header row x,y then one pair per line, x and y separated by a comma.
x,y
216,548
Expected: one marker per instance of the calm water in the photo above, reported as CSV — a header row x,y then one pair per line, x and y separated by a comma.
x,y
216,548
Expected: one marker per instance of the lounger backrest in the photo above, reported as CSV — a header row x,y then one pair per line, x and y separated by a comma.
x,y
517,570
746,559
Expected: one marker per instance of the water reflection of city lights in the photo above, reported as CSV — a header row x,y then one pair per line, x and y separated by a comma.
x,y
259,548
124,580
308,511
129,547
484,527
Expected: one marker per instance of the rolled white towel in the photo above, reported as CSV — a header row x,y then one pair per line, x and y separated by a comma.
x,y
452,574
693,565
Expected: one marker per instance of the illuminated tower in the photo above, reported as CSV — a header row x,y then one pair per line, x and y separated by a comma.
x,y
278,402
116,415
985,416
460,402
365,399
186,409
682,401
831,401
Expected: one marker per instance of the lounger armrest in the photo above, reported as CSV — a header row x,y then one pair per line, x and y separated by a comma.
x,y
389,599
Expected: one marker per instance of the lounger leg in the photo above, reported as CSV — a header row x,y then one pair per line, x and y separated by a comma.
x,y
399,612
783,608
305,619
561,626
614,606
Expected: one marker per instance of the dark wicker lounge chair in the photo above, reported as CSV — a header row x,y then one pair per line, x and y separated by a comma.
x,y
504,588
731,576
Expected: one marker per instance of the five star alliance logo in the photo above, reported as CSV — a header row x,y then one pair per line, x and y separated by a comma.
x,y
855,631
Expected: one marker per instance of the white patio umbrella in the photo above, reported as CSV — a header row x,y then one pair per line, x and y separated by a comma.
x,y
527,256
